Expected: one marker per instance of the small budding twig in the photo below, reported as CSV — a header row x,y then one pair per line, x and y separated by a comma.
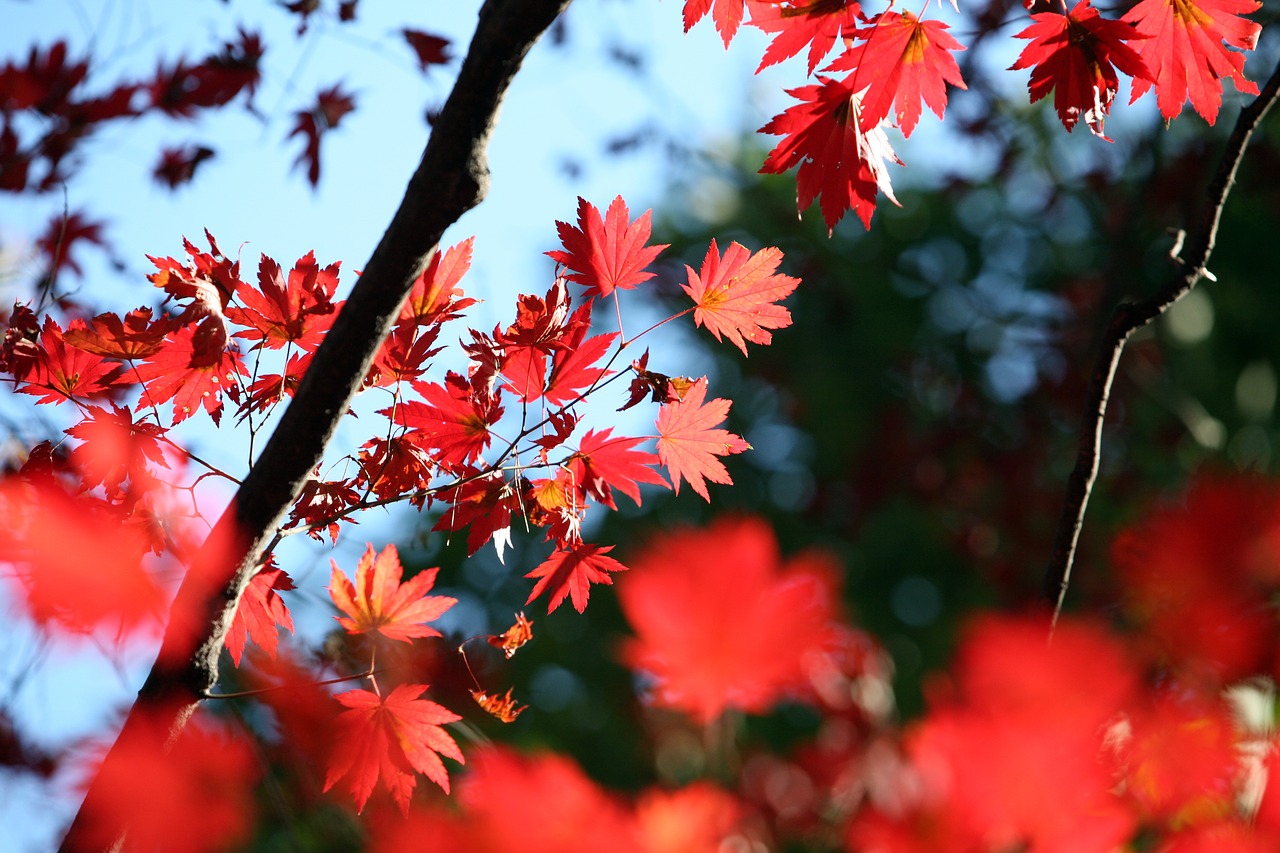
x,y
1127,318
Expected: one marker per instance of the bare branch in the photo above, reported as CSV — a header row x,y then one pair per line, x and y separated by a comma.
x,y
1127,318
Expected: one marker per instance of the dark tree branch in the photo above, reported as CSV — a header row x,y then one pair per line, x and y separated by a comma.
x,y
451,178
1127,318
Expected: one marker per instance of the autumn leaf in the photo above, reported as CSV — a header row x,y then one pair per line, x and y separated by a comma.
x,y
605,462
795,24
842,165
311,124
297,309
503,707
114,447
260,610
514,637
381,738
452,418
430,50
133,336
63,372
1187,53
182,372
721,621
571,572
1075,56
901,62
435,296
736,294
727,15
64,235
609,253
378,601
688,442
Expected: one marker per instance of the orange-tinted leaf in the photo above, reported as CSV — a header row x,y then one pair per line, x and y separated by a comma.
x,y
134,336
379,602
436,296
697,817
502,707
571,573
514,637
689,442
609,253
736,294
387,739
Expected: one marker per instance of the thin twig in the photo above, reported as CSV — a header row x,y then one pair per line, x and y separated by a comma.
x,y
1127,318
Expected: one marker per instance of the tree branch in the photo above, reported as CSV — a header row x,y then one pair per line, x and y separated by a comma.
x,y
1127,318
451,178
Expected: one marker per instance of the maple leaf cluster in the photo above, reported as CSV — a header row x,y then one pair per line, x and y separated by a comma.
x,y
893,64
224,341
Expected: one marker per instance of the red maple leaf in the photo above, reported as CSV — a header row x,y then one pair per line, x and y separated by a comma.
x,y
1076,56
902,61
209,282
1187,51
603,463
539,330
485,504
435,296
388,738
78,561
260,610
63,372
403,355
319,503
604,254
311,124
841,164
721,621
191,379
279,312
393,467
430,50
178,165
114,448
571,572
727,15
797,23
735,295
134,336
453,419
63,235
378,601
688,442
699,816
573,363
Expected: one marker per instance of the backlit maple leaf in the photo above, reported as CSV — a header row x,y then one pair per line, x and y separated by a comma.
x,y
604,254
385,738
689,443
298,309
65,372
193,379
735,295
797,23
605,462
573,364
1076,56
901,62
133,336
1187,51
260,610
727,15
454,418
514,637
571,572
435,296
114,448
378,601
841,164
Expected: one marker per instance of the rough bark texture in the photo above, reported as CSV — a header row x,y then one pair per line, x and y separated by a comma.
x,y
451,178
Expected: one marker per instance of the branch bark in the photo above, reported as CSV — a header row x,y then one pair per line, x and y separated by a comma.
x,y
1127,318
451,178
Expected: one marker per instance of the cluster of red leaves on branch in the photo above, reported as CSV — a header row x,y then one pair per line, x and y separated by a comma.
x,y
440,441
893,64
